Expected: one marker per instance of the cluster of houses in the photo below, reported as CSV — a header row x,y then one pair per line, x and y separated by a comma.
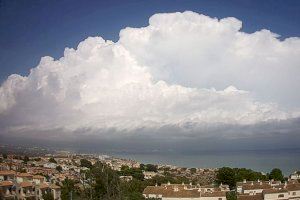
x,y
246,190
268,190
186,192
40,176
117,163
44,174
21,186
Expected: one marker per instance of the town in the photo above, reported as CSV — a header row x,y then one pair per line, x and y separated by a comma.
x,y
63,175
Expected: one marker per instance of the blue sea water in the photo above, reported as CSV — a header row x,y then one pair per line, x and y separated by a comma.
x,y
288,160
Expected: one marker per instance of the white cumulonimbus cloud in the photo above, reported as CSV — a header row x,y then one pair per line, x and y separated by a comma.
x,y
162,74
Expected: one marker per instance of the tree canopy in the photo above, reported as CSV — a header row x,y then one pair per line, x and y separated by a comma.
x,y
52,160
276,174
85,163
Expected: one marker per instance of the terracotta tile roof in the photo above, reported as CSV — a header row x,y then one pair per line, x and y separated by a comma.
x,y
26,184
43,186
214,194
7,172
179,192
271,191
38,177
293,187
6,183
250,197
54,187
256,186
24,175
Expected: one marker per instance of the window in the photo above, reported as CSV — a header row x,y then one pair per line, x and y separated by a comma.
x,y
220,198
281,195
294,193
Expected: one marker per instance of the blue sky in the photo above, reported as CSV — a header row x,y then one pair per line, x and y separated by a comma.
x,y
31,29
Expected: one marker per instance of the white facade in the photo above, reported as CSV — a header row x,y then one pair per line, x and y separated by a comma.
x,y
276,196
295,176
50,165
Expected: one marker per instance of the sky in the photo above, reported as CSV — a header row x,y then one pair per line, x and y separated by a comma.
x,y
150,75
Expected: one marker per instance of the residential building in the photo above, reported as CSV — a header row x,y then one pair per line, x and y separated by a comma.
x,y
183,192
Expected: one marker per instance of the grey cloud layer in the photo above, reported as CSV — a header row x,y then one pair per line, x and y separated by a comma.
x,y
160,75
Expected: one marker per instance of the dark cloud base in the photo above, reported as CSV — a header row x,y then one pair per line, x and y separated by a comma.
x,y
188,139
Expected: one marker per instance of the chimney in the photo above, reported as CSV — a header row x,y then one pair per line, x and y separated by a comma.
x,y
258,180
244,181
169,183
251,182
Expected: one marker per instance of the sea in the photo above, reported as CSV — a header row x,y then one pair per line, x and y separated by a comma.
x,y
288,160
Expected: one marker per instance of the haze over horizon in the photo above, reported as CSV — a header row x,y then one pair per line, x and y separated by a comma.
x,y
185,82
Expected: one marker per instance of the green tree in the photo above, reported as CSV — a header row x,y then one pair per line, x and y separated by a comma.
x,y
59,168
67,189
48,196
193,170
52,160
136,173
226,175
104,183
133,190
276,174
248,174
26,159
152,168
142,166
231,196
37,159
85,163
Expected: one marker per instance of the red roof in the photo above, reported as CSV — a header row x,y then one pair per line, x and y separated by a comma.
x,y
7,172
26,184
6,183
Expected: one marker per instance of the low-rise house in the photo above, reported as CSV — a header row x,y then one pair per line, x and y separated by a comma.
x,y
295,175
149,175
42,189
182,192
25,190
275,194
38,179
7,175
126,178
24,177
250,197
269,190
294,190
7,190
56,191
50,165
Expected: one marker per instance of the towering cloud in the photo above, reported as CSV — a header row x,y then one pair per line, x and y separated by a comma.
x,y
161,75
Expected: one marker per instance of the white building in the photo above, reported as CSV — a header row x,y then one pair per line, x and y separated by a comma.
x,y
149,175
268,191
50,165
295,176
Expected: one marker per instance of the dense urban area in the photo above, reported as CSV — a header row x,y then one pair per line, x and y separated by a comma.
x,y
40,174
